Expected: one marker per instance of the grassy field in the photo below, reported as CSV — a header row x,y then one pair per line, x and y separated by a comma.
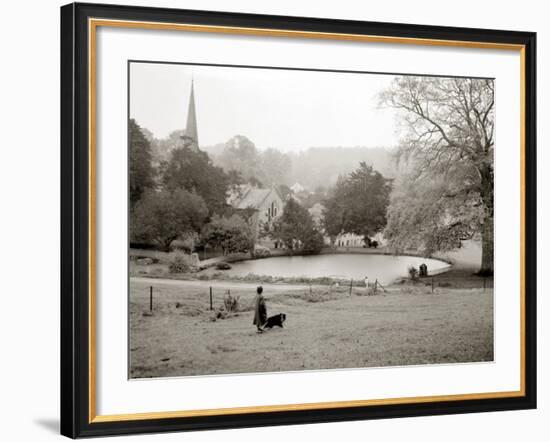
x,y
325,328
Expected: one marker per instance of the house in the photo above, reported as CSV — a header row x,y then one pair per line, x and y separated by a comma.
x,y
297,188
349,240
267,204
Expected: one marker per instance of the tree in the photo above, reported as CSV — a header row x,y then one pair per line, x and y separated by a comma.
x,y
321,166
232,234
162,147
240,154
334,210
194,172
284,191
358,203
275,167
296,230
431,213
162,217
309,199
142,173
449,129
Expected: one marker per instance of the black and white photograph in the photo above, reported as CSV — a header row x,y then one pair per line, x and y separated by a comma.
x,y
298,219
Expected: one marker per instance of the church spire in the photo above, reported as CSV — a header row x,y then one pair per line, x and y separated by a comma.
x,y
191,137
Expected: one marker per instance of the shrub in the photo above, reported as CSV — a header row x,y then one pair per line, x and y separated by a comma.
x,y
231,303
186,242
413,272
161,217
261,252
314,296
223,266
179,262
231,234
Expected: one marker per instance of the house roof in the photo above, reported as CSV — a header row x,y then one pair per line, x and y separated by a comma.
x,y
253,198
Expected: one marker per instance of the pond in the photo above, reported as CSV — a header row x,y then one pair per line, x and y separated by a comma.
x,y
385,268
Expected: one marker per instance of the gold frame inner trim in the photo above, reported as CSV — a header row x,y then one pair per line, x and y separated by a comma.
x,y
299,34
93,24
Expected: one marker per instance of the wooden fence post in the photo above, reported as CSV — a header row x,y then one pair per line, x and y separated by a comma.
x,y
432,284
350,286
210,297
151,298
375,285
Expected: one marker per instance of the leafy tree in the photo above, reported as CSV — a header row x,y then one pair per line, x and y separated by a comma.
x,y
284,191
232,234
312,241
358,203
449,134
255,182
240,154
296,230
259,168
162,217
142,173
309,199
194,172
335,209
275,167
163,147
321,166
434,214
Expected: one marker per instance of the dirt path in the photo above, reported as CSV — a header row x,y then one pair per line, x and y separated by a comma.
x,y
217,284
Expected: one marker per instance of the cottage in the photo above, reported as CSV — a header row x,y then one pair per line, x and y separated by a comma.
x,y
267,203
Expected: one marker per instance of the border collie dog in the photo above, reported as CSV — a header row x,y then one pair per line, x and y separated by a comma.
x,y
276,320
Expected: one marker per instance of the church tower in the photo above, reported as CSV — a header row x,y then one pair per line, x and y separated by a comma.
x,y
191,136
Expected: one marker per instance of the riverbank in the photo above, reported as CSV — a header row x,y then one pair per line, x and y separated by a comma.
x,y
326,268
462,273
379,251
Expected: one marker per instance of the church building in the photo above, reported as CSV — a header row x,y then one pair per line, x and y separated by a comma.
x,y
267,204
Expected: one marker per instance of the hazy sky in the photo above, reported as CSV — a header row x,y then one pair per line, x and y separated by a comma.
x,y
288,110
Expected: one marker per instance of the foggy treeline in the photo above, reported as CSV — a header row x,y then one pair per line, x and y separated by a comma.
x,y
312,167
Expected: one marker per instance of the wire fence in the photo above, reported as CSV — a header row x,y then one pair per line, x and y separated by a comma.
x,y
212,295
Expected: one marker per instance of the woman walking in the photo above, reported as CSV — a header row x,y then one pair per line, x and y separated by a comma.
x,y
260,310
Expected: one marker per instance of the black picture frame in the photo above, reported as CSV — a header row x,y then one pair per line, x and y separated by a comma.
x,y
75,220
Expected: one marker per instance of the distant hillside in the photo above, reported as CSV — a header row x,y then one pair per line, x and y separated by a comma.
x,y
318,166
321,166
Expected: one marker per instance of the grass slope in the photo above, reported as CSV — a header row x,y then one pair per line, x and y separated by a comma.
x,y
324,329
